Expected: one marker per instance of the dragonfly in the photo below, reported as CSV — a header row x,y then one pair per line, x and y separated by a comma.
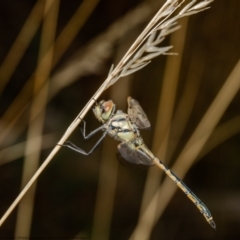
x,y
125,128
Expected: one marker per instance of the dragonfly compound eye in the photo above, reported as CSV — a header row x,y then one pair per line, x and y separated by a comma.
x,y
108,107
103,111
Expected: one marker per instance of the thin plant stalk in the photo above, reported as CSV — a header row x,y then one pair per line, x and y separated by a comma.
x,y
21,43
134,60
107,181
165,112
186,102
221,134
17,151
7,130
72,28
108,172
170,83
31,161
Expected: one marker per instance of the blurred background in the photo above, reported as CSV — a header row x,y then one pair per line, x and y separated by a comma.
x,y
54,55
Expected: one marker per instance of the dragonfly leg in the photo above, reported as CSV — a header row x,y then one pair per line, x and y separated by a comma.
x,y
83,130
81,151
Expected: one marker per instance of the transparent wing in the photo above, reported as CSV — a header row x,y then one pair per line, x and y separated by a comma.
x,y
137,115
133,156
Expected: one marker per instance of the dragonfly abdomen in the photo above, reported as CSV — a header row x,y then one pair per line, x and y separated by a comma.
x,y
199,204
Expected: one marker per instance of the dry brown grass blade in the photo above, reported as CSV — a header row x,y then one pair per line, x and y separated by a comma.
x,y
221,134
192,148
186,102
23,98
17,151
31,161
170,84
21,43
108,172
6,132
164,117
72,28
107,181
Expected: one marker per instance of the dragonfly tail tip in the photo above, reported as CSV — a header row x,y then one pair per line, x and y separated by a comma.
x,y
213,224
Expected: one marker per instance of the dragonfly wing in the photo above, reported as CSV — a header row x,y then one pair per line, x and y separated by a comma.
x,y
133,156
137,115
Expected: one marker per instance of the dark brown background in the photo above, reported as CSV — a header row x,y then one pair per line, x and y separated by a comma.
x,y
66,191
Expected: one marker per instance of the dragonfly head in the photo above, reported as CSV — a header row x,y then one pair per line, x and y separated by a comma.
x,y
104,110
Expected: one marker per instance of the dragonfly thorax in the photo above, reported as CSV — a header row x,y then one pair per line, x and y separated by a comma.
x,y
121,127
